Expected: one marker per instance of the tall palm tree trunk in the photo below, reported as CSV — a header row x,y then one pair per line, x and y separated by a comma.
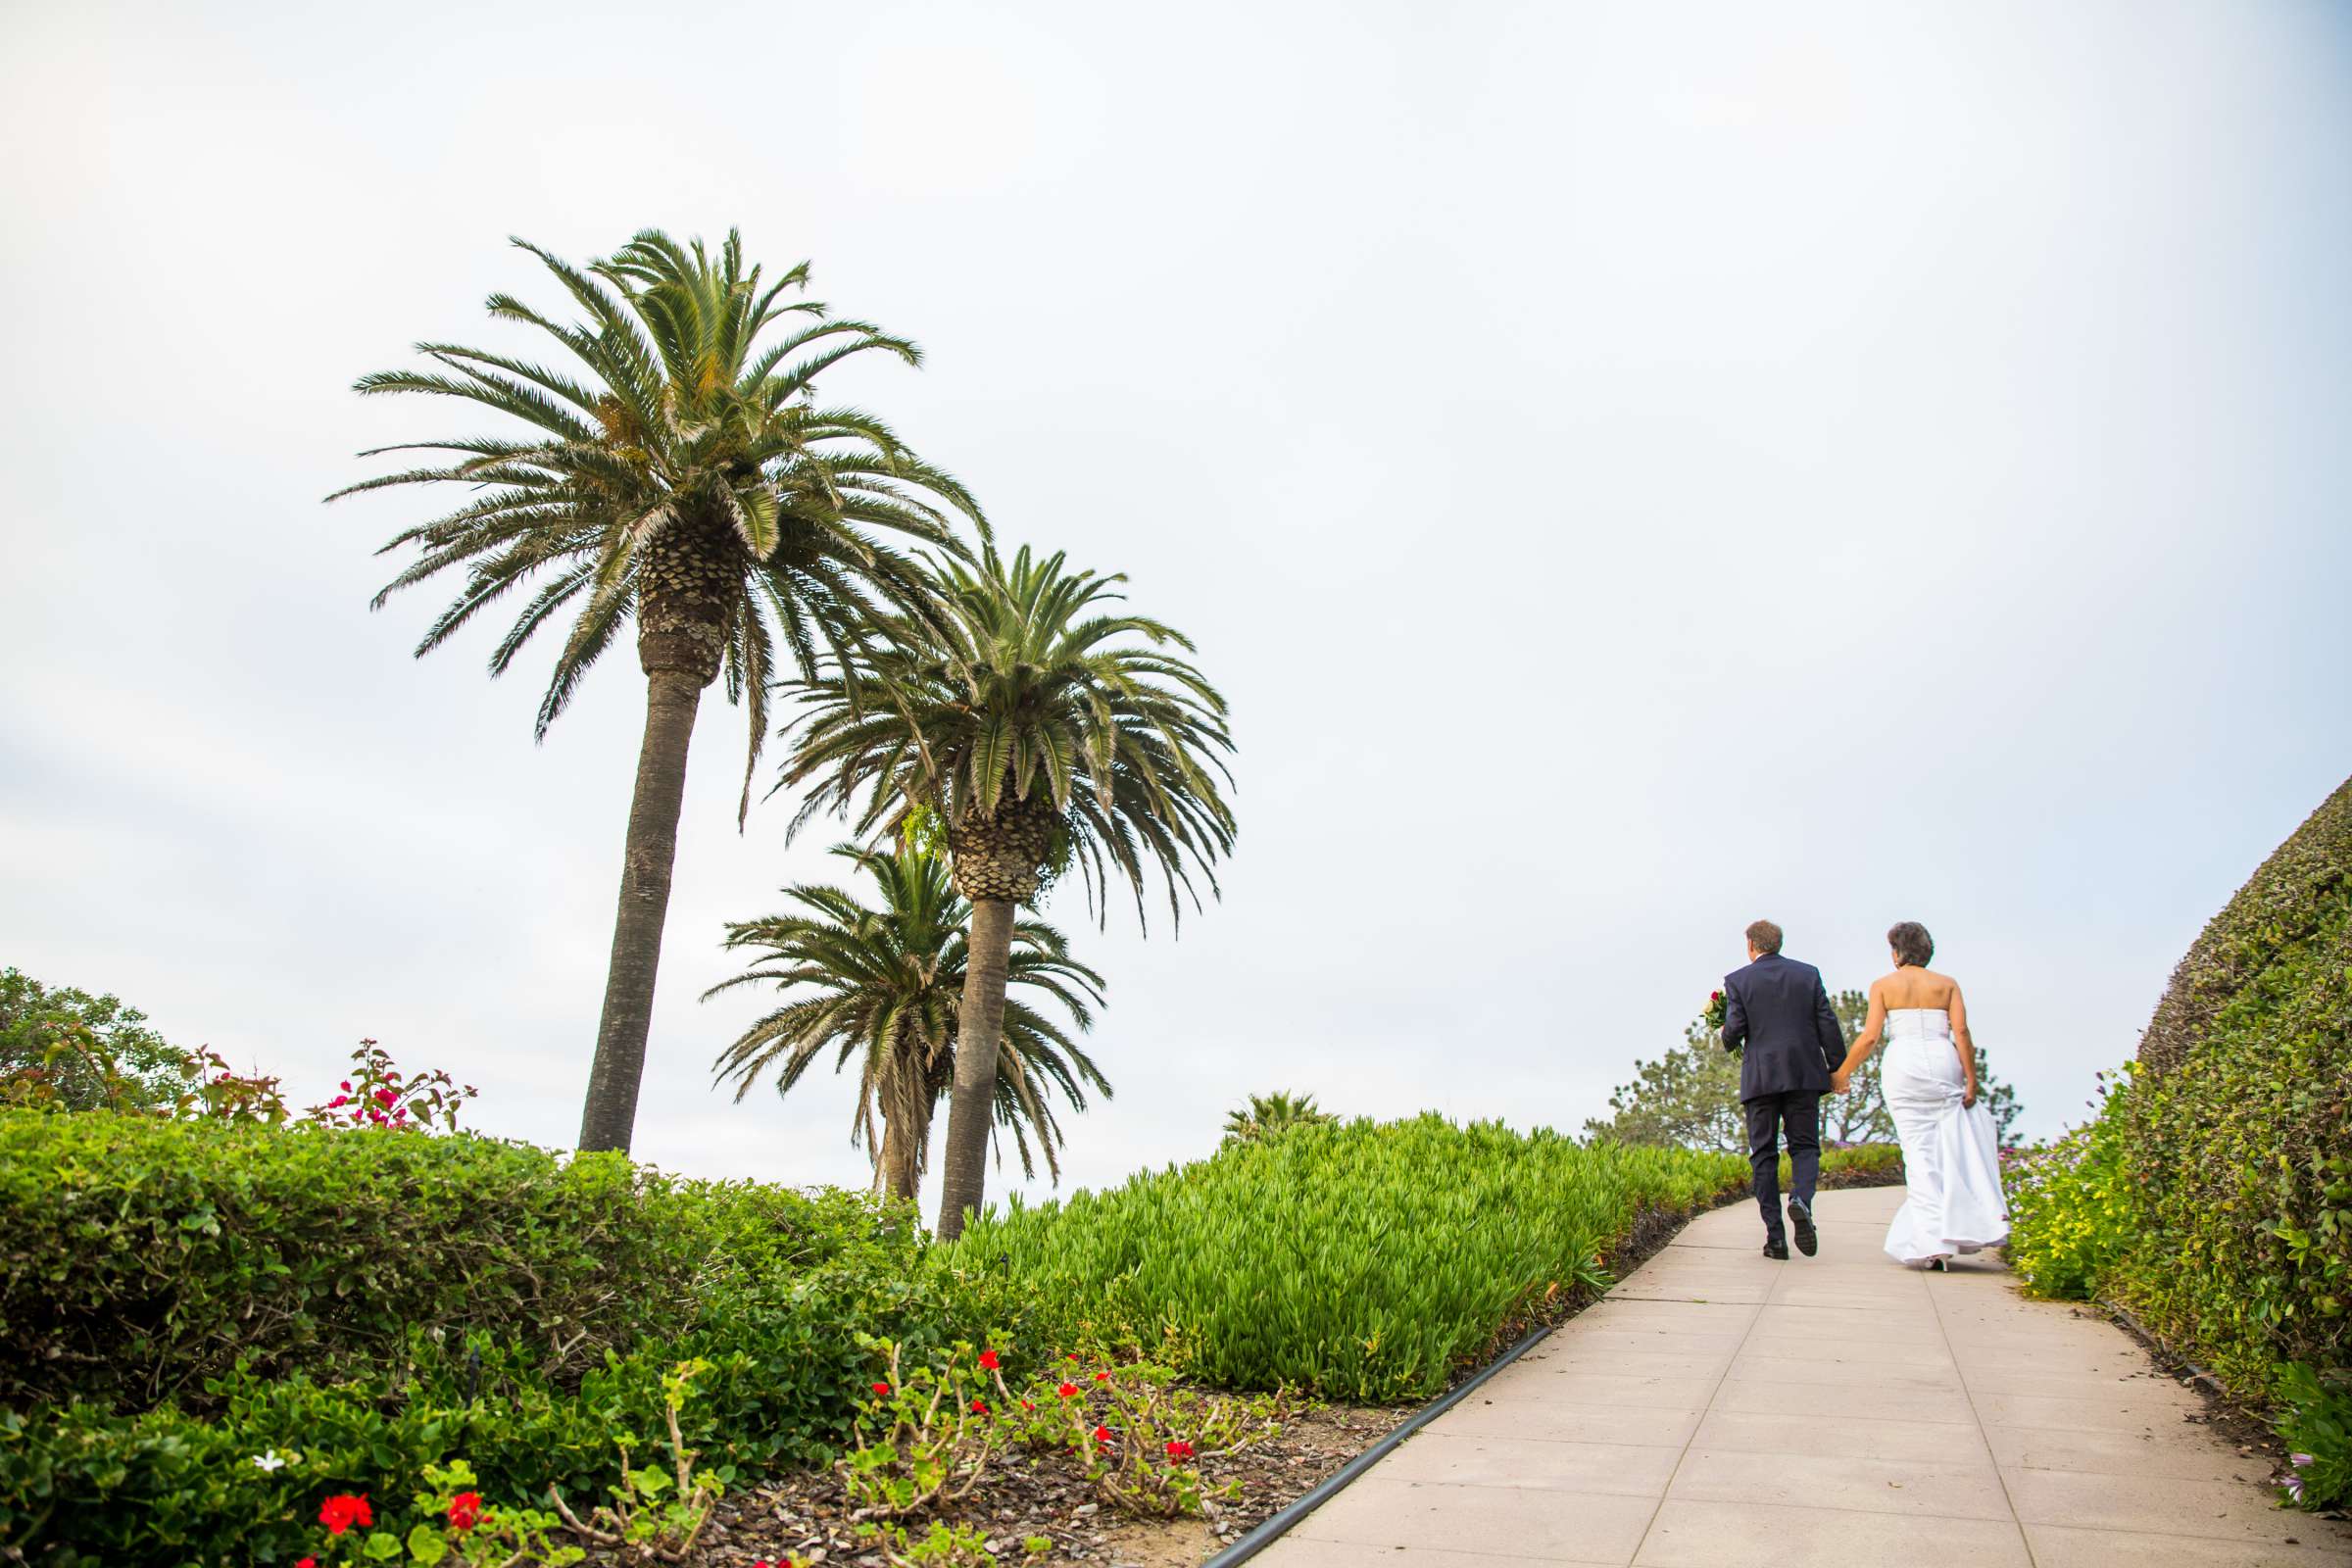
x,y
979,1031
895,1173
609,1116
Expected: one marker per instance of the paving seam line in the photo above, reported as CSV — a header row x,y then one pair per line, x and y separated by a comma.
x,y
1680,1459
2000,1474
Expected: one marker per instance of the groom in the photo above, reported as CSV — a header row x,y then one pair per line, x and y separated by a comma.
x,y
1779,1011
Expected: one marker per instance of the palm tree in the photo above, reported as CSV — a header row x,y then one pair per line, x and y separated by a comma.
x,y
682,479
1043,731
1268,1114
880,985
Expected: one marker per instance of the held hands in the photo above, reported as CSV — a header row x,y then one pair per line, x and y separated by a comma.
x,y
1839,1079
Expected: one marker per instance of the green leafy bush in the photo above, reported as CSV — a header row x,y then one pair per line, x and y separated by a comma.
x,y
177,1299
2316,1422
1362,1262
2069,1212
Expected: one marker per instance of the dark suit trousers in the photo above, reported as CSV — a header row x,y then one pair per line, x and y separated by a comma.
x,y
1799,1113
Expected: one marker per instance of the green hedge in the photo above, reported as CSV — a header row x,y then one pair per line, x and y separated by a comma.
x,y
1362,1262
2239,1130
177,1297
2213,1195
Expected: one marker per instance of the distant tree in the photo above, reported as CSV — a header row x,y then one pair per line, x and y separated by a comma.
x,y
1860,1114
880,985
2000,1100
1268,1114
141,1067
1688,1099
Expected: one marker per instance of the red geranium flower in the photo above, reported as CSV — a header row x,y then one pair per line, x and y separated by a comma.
x,y
1027,1405
1180,1449
988,1359
1101,1377
464,1511
883,1390
1102,1434
979,1407
306,1563
1068,1390
343,1510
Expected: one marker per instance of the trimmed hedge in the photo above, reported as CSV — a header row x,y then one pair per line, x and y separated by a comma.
x,y
2238,1129
2213,1194
177,1297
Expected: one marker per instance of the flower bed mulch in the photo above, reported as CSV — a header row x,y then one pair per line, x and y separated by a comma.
x,y
806,1519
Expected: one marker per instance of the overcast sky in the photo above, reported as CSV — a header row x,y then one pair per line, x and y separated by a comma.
x,y
1633,468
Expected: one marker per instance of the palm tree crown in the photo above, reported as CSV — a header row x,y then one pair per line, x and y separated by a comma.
x,y
1044,731
681,478
688,481
1041,728
880,985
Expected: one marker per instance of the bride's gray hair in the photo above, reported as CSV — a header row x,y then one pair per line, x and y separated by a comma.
x,y
1911,944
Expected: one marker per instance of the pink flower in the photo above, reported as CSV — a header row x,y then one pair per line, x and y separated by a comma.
x,y
338,1102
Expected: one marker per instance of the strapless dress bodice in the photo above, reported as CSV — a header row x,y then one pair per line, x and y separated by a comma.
x,y
1918,1023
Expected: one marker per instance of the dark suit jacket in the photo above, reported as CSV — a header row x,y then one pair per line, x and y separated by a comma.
x,y
1779,1009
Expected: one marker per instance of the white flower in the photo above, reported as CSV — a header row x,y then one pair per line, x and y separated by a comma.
x,y
270,1463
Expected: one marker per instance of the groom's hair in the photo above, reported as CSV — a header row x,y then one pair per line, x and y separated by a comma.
x,y
1764,937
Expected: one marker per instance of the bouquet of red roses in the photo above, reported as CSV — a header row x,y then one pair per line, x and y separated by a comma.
x,y
1713,1016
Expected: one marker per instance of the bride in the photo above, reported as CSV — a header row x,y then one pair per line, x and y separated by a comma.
x,y
1951,1167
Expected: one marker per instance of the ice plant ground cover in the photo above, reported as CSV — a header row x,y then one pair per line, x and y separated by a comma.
x,y
1365,1262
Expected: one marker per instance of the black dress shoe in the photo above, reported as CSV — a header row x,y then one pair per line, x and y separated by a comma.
x,y
1778,1252
1800,1221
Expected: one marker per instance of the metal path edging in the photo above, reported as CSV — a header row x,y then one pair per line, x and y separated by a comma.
x,y
1275,1527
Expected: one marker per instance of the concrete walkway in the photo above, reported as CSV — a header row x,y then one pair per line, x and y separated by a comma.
x,y
1718,1410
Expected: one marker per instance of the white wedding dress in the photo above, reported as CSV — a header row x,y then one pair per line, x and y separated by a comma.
x,y
1951,1162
